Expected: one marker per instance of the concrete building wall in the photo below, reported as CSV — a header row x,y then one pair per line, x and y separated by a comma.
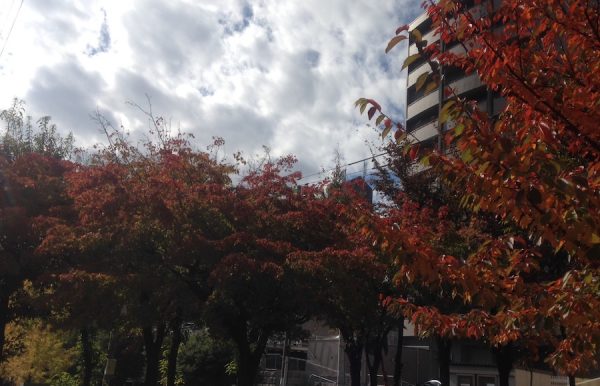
x,y
537,378
587,382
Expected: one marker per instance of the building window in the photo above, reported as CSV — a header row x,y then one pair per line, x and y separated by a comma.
x,y
486,380
295,364
273,362
465,380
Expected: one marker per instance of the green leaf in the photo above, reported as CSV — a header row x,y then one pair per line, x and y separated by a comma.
x,y
421,81
466,156
463,201
483,167
431,86
411,59
363,106
556,165
392,43
379,119
416,35
446,110
359,102
385,132
458,129
448,105
566,279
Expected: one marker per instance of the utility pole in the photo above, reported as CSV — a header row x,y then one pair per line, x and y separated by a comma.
x,y
284,362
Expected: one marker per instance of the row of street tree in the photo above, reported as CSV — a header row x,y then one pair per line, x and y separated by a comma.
x,y
142,241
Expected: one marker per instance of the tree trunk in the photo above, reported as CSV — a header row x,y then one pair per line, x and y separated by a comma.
x,y
375,349
248,363
384,373
87,354
174,350
572,380
398,357
354,352
249,359
374,370
444,350
153,340
504,362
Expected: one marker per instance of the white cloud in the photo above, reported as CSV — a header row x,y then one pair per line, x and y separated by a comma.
x,y
279,73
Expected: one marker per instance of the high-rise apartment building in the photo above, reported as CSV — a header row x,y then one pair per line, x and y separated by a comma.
x,y
422,108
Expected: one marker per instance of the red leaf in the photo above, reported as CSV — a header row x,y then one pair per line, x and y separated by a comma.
x,y
402,28
413,153
375,104
371,112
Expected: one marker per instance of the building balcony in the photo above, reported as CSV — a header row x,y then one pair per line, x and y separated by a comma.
x,y
414,74
430,36
466,84
422,104
424,132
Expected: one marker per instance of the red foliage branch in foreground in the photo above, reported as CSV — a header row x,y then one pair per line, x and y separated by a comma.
x,y
535,166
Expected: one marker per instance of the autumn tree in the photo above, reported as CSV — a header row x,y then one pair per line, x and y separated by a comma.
x,y
85,302
447,233
145,218
346,279
254,292
534,166
40,355
32,200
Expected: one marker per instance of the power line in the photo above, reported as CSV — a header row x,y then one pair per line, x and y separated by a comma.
x,y
6,17
348,164
11,28
416,142
369,174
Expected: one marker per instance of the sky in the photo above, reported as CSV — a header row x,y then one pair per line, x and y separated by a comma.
x,y
277,73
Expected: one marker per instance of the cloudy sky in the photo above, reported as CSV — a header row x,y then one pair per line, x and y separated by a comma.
x,y
280,73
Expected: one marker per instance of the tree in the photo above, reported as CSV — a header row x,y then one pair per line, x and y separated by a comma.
x,y
42,353
254,292
535,166
21,137
64,300
204,358
346,279
32,200
448,234
145,219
